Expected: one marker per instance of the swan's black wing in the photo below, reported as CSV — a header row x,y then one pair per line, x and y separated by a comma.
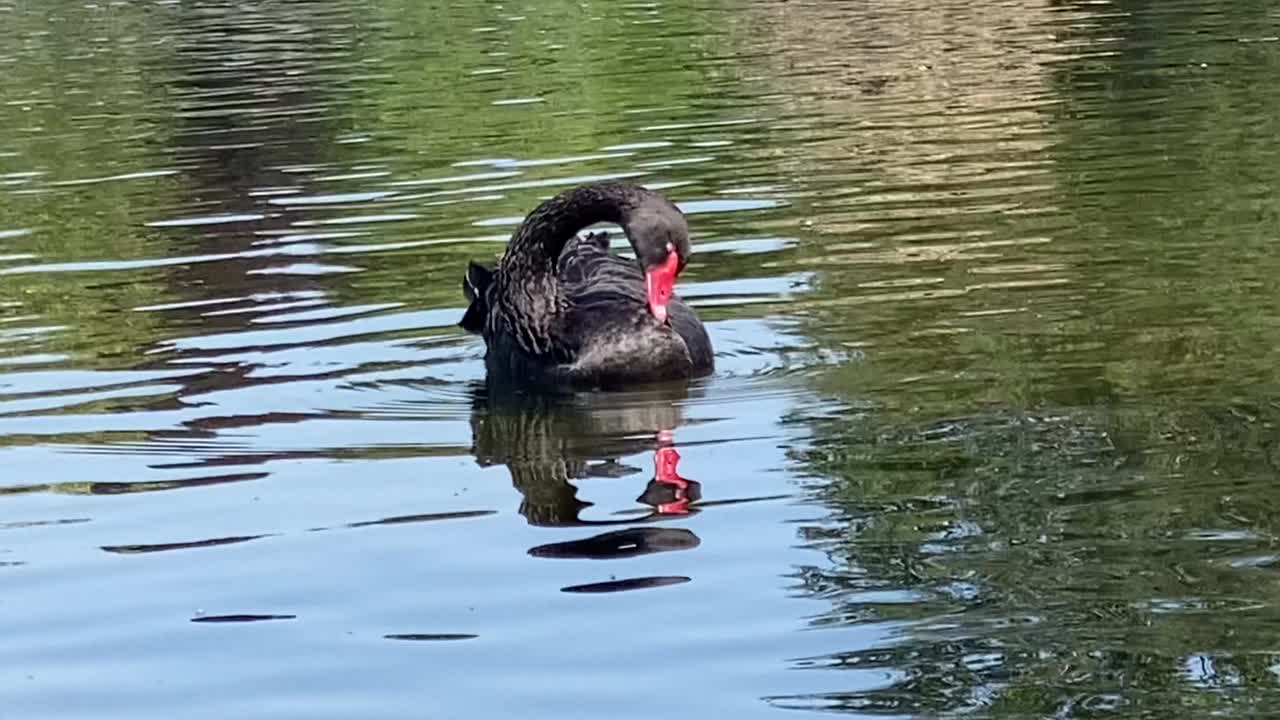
x,y
592,278
608,318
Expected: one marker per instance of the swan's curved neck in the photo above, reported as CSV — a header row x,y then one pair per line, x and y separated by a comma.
x,y
526,284
543,234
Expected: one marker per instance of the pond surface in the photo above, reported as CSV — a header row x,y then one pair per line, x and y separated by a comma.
x,y
994,289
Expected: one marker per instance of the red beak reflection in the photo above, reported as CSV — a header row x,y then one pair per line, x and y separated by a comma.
x,y
669,493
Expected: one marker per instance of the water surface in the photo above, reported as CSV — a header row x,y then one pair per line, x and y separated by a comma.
x,y
993,289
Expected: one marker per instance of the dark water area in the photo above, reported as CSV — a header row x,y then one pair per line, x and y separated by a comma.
x,y
994,290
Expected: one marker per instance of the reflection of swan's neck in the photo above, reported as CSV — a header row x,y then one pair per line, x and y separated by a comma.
x,y
666,463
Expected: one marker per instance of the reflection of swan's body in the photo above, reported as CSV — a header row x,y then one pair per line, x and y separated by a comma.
x,y
547,441
562,310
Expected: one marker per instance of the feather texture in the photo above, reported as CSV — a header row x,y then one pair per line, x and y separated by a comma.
x,y
561,309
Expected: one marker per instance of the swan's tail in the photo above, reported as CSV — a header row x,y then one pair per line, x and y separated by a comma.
x,y
475,285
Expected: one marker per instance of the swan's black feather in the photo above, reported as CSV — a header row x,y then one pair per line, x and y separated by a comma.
x,y
561,309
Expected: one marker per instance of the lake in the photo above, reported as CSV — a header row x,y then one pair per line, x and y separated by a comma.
x,y
994,289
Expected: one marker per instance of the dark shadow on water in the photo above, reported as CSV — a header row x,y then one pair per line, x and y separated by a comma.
x,y
123,488
425,517
243,618
140,549
631,542
42,523
430,637
640,583
162,547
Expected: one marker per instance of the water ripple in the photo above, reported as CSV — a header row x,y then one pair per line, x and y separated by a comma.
x,y
989,288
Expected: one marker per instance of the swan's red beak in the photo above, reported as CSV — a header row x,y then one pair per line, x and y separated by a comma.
x,y
660,283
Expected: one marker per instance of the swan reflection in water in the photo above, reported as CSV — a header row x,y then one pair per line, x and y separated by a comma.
x,y
548,442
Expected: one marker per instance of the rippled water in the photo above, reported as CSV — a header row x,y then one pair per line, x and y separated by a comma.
x,y
993,429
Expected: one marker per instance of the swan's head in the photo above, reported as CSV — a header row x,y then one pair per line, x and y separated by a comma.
x,y
658,232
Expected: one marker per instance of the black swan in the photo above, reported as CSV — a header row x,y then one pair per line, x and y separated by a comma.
x,y
559,309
